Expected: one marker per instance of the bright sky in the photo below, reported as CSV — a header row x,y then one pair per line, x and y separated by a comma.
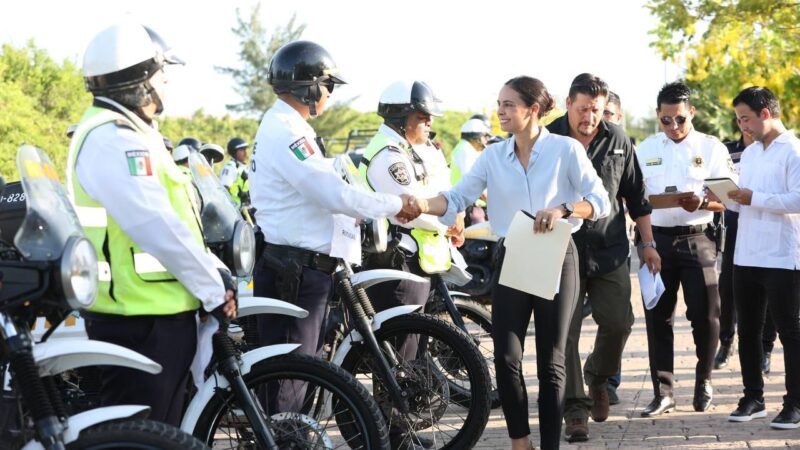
x,y
464,50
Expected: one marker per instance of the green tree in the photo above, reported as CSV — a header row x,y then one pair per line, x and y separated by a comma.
x,y
728,45
255,53
39,99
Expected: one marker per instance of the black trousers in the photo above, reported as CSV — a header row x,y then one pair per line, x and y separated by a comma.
x,y
402,292
168,340
511,315
688,261
756,288
313,294
727,316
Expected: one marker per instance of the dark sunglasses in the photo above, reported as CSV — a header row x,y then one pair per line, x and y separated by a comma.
x,y
667,120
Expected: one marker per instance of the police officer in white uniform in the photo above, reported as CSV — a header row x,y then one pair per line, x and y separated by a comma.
x,y
474,138
679,159
392,163
234,173
135,206
296,191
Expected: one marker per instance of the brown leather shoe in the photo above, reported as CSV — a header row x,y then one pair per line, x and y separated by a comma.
x,y
600,407
577,429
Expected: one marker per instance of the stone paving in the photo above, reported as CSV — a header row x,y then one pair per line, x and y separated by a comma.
x,y
681,429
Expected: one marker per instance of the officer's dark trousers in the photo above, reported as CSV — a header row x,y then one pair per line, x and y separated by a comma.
x,y
403,292
688,261
511,315
755,288
610,297
168,340
313,294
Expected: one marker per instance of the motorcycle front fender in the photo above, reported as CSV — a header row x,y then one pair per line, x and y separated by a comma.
x,y
79,422
54,357
249,306
218,381
377,321
369,278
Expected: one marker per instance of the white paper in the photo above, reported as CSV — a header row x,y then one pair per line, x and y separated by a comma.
x,y
652,287
202,355
346,239
720,187
533,261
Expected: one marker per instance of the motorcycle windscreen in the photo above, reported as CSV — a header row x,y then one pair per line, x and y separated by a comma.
x,y
218,214
49,219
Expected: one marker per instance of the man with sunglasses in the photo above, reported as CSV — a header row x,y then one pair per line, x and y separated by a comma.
x,y
603,249
679,159
302,204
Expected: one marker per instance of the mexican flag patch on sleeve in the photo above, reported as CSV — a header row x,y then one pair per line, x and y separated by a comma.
x,y
302,149
139,163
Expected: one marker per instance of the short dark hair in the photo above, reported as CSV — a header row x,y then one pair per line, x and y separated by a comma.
x,y
531,91
614,99
588,84
674,93
758,98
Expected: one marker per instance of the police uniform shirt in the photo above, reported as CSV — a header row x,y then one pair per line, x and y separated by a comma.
x,y
141,207
685,165
296,191
231,171
769,228
558,172
393,171
436,166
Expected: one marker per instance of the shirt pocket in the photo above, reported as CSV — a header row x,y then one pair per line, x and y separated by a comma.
x,y
654,178
697,173
763,237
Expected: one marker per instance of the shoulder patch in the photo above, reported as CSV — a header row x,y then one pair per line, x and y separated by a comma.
x,y
139,163
301,149
399,173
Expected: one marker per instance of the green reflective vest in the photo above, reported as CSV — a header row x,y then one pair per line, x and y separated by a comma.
x,y
132,282
433,247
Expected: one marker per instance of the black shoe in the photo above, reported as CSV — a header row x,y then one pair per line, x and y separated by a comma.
x,y
787,419
410,442
748,410
723,355
766,363
703,393
613,398
658,406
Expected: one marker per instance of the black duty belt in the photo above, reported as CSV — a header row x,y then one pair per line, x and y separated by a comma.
x,y
680,231
307,258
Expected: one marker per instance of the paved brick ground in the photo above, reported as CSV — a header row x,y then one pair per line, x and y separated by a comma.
x,y
683,428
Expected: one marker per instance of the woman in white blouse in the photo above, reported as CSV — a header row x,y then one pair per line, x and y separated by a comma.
x,y
551,177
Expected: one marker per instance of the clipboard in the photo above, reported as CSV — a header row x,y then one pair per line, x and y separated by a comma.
x,y
533,262
720,187
668,199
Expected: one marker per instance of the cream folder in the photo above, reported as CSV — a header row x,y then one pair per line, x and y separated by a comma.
x,y
533,262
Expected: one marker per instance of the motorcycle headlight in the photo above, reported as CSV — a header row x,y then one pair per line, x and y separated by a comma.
x,y
244,249
79,273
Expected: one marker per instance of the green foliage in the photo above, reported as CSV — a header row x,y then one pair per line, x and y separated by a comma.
x,y
728,45
216,130
39,99
255,53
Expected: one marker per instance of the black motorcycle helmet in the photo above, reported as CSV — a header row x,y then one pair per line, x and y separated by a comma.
x,y
191,142
402,98
298,68
236,143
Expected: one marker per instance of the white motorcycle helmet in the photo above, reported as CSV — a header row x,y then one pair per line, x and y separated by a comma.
x,y
402,98
121,60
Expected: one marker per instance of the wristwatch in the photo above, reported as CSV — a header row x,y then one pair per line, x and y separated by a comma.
x,y
569,208
645,244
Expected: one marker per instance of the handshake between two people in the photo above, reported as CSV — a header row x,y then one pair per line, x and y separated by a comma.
x,y
413,207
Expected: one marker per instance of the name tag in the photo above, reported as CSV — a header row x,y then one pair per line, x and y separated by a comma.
x,y
619,151
653,162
